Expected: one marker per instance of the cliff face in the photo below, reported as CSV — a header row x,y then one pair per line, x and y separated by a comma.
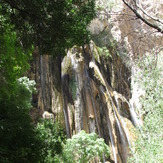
x,y
86,95
45,70
91,89
90,103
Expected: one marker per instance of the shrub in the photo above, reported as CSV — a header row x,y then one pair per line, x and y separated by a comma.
x,y
18,139
84,147
52,136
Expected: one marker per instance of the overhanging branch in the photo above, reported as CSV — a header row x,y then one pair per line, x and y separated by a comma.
x,y
150,16
155,26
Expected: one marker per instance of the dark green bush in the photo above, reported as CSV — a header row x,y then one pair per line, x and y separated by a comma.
x,y
52,136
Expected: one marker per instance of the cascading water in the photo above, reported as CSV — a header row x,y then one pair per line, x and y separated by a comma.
x,y
65,112
123,134
92,100
90,103
137,92
120,128
100,77
123,123
76,66
67,124
134,117
110,133
42,79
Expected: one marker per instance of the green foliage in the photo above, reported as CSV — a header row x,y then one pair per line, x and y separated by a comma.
x,y
25,88
73,87
18,139
51,25
13,63
52,137
104,52
84,148
13,60
149,146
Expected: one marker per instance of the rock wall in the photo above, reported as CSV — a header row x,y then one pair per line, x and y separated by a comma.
x,y
91,102
46,71
118,27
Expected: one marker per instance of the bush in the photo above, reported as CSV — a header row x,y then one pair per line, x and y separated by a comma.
x,y
84,147
52,136
18,139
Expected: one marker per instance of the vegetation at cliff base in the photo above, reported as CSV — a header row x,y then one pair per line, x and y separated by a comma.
x,y
85,147
52,136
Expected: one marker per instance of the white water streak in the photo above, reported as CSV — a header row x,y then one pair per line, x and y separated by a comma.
x,y
92,65
66,122
93,103
123,123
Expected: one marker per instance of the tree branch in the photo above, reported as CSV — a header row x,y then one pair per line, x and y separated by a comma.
x,y
155,26
150,16
15,6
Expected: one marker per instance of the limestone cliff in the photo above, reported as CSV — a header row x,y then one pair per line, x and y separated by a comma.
x,y
91,104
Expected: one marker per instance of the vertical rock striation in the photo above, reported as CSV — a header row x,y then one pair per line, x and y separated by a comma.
x,y
90,98
45,70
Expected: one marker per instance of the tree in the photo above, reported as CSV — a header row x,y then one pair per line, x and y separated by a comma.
x,y
84,148
51,25
52,136
18,139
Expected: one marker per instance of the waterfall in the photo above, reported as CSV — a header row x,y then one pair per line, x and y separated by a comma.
x,y
123,123
110,134
96,105
76,67
65,111
120,123
92,100
111,139
122,131
134,117
100,77
67,124
42,80
137,92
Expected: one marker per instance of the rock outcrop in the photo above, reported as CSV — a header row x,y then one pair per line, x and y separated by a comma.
x,y
90,103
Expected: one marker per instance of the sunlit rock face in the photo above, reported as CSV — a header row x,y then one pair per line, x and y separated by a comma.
x,y
84,93
91,99
118,26
131,33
